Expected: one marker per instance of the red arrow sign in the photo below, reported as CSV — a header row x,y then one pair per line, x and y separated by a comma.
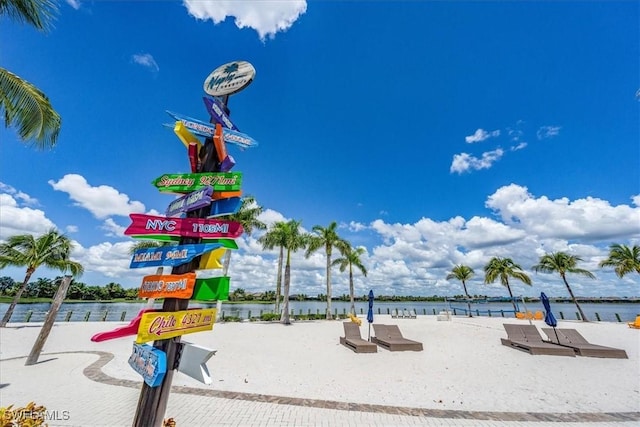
x,y
161,227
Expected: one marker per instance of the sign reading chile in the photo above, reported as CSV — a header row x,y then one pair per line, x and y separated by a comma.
x,y
229,78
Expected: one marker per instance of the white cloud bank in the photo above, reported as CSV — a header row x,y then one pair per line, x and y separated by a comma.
x,y
401,259
465,162
266,17
102,201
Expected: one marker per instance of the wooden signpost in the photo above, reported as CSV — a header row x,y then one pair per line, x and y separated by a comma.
x,y
176,319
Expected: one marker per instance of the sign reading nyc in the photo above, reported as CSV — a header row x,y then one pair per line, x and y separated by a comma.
x,y
229,78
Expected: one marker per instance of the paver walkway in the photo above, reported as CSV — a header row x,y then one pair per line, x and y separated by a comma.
x,y
77,392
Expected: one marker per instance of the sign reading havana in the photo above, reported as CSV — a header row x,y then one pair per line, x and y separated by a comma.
x,y
163,325
168,286
188,182
229,78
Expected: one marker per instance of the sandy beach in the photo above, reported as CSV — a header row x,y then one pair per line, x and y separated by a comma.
x,y
463,367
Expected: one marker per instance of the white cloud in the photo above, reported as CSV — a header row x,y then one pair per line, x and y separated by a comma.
x,y
548,132
24,197
113,229
71,228
590,218
74,4
266,17
520,146
102,201
15,220
464,162
146,60
480,135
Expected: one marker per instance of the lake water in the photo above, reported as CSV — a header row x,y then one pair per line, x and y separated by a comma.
x,y
126,311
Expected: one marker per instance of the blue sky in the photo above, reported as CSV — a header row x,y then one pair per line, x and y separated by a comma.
x,y
434,133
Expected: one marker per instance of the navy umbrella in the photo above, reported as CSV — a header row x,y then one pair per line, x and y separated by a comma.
x,y
370,312
549,318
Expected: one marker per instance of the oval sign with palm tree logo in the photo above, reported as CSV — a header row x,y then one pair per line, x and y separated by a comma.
x,y
229,78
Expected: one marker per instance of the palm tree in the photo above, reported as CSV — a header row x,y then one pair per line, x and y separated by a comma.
x,y
276,237
328,239
51,250
22,104
563,263
504,268
623,258
294,241
462,273
350,258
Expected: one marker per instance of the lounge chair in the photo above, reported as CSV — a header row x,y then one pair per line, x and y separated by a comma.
x,y
353,340
390,338
394,314
405,314
636,324
527,338
412,314
538,315
572,339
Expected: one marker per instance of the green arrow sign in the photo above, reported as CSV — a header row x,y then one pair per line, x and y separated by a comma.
x,y
188,182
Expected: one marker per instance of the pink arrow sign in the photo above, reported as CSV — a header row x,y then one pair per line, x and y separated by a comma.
x,y
150,225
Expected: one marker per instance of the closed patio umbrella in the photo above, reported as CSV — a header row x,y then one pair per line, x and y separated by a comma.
x,y
549,318
370,312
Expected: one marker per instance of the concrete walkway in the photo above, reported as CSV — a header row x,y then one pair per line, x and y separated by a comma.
x,y
76,392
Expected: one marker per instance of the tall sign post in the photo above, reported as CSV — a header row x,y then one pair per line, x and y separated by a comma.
x,y
207,160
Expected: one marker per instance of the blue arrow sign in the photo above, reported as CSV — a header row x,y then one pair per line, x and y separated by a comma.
x,y
174,255
216,111
149,362
207,130
228,206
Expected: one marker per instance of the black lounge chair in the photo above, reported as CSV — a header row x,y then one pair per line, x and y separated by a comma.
x,y
573,339
353,340
390,338
527,338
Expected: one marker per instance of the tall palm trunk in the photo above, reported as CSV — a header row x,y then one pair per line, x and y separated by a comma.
x,y
464,285
16,298
575,301
279,279
515,309
329,315
284,319
351,291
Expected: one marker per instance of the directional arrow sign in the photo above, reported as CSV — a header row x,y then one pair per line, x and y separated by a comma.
x,y
216,111
188,182
222,207
190,202
163,325
212,289
176,255
207,130
149,362
193,362
168,286
211,260
170,229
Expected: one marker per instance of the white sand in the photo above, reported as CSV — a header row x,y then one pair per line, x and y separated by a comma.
x,y
463,366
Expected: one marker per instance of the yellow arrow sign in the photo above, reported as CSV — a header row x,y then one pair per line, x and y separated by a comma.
x,y
185,136
211,260
163,325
